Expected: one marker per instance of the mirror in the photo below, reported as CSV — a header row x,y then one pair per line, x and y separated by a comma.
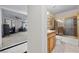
x,y
14,28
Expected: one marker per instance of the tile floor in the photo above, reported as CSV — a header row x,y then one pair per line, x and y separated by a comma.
x,y
65,44
14,39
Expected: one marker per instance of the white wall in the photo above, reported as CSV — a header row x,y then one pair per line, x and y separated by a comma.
x,y
0,28
37,29
17,24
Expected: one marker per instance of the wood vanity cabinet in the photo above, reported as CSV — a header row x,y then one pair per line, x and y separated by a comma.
x,y
51,41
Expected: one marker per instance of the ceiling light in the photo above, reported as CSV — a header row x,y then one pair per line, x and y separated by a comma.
x,y
61,21
48,13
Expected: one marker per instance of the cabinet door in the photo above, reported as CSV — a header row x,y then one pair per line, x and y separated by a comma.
x,y
54,42
48,45
51,44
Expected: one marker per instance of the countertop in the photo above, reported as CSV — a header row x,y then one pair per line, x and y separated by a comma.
x,y
49,31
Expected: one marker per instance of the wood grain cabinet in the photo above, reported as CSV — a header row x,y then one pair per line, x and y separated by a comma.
x,y
51,41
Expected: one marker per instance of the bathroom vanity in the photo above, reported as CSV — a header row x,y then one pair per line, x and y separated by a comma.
x,y
51,40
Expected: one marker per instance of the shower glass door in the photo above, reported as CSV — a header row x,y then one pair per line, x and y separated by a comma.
x,y
69,26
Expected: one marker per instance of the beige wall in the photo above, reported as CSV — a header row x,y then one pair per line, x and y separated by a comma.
x,y
68,13
51,19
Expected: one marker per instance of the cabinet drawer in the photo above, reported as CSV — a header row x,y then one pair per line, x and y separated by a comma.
x,y
51,35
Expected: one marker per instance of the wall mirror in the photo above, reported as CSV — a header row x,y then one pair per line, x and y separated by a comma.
x,y
14,28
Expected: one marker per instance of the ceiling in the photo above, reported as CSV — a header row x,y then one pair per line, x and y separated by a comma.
x,y
12,14
22,8
60,8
